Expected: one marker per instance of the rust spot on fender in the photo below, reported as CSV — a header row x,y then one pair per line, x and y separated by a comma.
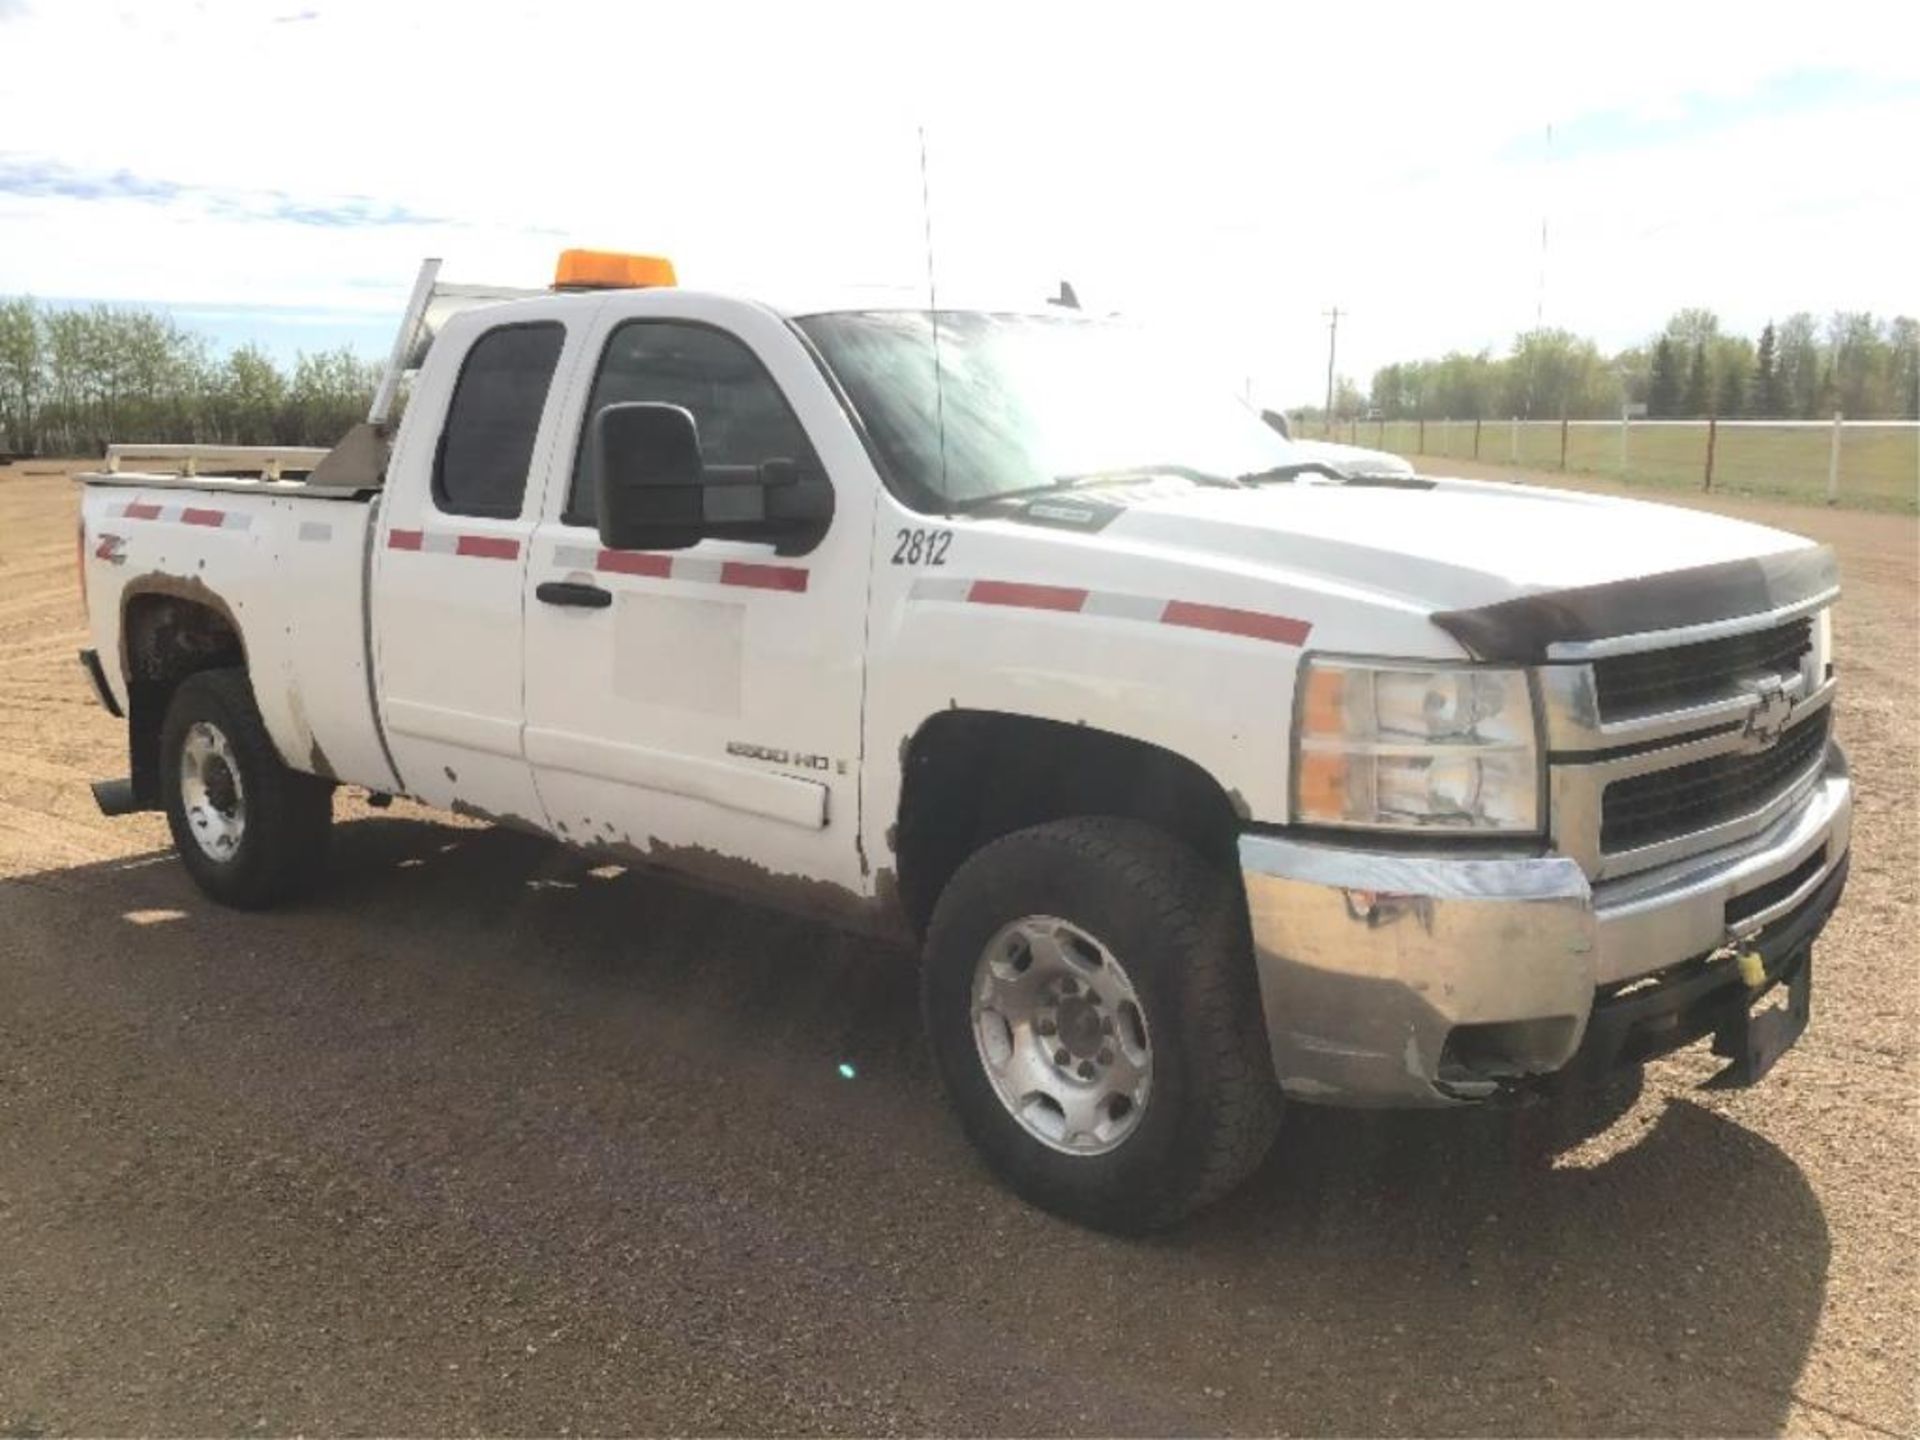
x,y
508,821
880,916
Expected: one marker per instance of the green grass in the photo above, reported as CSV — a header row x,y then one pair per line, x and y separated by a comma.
x,y
1879,468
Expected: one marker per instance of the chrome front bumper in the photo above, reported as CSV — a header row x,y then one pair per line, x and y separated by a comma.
x,y
1412,979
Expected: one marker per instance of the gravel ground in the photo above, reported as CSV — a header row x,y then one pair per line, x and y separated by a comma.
x,y
481,1139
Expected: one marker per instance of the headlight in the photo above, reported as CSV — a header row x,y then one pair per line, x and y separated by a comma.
x,y
1413,750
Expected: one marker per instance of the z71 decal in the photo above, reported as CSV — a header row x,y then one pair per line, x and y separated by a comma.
x,y
921,547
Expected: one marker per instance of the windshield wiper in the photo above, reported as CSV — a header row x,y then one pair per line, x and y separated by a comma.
x,y
1145,472
1096,477
1292,472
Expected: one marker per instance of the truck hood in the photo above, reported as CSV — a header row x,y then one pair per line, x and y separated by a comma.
x,y
1443,545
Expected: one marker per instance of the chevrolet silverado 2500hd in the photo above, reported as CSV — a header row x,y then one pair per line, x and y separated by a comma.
x,y
1201,776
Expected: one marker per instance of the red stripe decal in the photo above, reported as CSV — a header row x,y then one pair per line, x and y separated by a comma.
x,y
191,516
763,577
488,547
141,510
634,562
1025,597
1251,623
405,539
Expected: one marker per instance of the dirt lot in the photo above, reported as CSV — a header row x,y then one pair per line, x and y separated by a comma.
x,y
479,1140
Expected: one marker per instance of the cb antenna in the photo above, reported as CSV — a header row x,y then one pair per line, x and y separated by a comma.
x,y
933,319
1546,213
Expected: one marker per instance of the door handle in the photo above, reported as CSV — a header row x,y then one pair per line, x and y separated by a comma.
x,y
569,592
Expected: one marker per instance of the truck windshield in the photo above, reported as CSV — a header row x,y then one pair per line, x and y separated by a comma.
x,y
1030,402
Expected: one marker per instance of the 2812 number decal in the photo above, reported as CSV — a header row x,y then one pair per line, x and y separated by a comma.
x,y
921,547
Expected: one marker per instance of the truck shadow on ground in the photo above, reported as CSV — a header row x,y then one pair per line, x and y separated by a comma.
x,y
648,1096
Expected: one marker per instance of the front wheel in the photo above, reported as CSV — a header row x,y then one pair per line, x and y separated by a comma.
x,y
250,831
1090,996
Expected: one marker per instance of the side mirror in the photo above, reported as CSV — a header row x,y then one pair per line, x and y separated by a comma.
x,y
647,472
656,493
1277,421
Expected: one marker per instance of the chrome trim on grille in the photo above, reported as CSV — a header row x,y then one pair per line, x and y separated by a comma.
x,y
1657,917
1688,635
1665,739
1576,801
1574,723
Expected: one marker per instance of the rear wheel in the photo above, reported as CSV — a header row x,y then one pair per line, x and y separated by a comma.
x,y
250,831
1090,996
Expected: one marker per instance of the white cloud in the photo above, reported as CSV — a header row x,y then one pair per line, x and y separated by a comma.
x,y
1235,171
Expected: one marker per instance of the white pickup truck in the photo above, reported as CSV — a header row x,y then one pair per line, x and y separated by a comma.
x,y
1199,775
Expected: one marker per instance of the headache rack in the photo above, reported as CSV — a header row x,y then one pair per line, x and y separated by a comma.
x,y
355,466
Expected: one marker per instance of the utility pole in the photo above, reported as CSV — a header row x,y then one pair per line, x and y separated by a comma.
x,y
1333,338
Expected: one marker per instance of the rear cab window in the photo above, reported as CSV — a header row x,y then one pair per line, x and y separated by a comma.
x,y
486,446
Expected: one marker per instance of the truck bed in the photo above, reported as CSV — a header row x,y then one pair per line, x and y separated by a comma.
x,y
284,561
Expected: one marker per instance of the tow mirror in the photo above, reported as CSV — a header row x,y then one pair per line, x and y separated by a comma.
x,y
655,491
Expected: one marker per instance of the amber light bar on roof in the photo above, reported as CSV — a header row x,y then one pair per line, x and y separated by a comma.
x,y
610,270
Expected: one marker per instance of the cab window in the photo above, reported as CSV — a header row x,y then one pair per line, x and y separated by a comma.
x,y
742,417
486,448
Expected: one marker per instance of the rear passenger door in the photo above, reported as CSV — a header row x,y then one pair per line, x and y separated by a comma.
x,y
450,562
704,710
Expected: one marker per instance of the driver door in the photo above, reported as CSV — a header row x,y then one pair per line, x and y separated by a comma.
x,y
701,707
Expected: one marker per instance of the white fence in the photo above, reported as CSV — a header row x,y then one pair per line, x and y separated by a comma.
x,y
1872,463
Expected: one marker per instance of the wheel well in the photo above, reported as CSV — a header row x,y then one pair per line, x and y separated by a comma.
x,y
164,638
972,776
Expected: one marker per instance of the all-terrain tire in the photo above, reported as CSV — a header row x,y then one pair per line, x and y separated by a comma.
x,y
1179,930
279,849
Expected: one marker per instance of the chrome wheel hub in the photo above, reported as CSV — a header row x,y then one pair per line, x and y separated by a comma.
x,y
211,793
1062,1035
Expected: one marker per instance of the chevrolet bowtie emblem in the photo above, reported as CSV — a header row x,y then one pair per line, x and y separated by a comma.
x,y
1768,719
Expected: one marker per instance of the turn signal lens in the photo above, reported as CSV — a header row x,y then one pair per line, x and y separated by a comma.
x,y
1324,710
1324,779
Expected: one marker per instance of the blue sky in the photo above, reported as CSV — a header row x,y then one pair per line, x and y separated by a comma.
x,y
276,171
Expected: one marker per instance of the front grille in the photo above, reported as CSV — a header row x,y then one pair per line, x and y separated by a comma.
x,y
1646,809
1689,674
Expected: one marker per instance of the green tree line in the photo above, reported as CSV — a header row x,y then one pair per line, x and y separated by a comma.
x,y
71,380
1801,368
